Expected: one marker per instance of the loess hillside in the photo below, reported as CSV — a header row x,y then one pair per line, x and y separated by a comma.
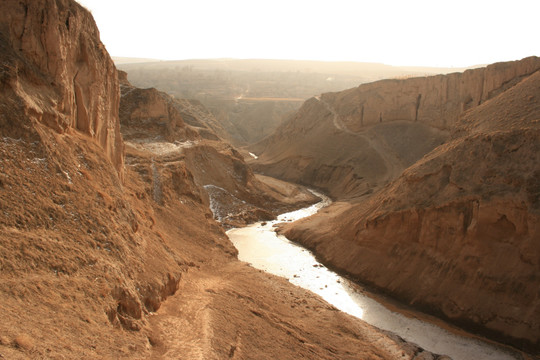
x,y
350,143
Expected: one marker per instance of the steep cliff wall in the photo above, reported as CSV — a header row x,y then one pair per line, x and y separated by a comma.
x,y
435,100
458,232
58,42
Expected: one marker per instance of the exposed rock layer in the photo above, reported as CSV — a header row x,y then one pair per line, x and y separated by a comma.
x,y
437,101
68,80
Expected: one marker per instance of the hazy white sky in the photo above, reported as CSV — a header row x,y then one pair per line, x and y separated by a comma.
x,y
396,32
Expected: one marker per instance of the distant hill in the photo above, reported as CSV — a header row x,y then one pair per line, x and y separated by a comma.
x,y
350,68
251,97
129,60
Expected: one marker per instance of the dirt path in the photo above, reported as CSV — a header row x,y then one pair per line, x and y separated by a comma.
x,y
184,324
391,159
336,120
234,311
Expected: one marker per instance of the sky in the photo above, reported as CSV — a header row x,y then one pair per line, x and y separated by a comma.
x,y
436,33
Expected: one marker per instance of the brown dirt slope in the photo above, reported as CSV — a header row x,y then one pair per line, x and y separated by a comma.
x,y
157,138
351,143
220,313
90,251
458,232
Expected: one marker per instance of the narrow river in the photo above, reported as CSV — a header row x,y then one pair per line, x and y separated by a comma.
x,y
260,246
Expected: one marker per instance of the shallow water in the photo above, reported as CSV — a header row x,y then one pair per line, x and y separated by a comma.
x,y
260,246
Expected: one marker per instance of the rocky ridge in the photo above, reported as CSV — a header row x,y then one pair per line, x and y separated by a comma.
x,y
62,74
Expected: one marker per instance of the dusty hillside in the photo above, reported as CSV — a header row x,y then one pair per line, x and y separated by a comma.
x,y
100,260
157,139
458,232
352,142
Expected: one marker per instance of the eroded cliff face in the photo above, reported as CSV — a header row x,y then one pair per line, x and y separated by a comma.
x,y
458,232
80,255
437,101
61,72
353,142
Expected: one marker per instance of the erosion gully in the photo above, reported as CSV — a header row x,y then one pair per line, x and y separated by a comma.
x,y
259,245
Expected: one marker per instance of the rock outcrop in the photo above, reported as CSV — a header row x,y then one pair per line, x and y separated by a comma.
x,y
59,69
153,115
458,232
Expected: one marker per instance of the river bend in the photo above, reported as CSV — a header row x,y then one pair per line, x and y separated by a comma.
x,y
260,246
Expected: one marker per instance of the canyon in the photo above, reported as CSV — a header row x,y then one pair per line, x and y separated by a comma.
x,y
250,98
115,201
113,217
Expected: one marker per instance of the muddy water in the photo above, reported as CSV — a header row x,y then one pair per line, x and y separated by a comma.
x,y
260,246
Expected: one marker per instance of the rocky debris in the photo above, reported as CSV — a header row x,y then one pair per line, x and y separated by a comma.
x,y
457,233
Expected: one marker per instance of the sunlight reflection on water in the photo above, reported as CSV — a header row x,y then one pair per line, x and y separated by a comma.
x,y
260,246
